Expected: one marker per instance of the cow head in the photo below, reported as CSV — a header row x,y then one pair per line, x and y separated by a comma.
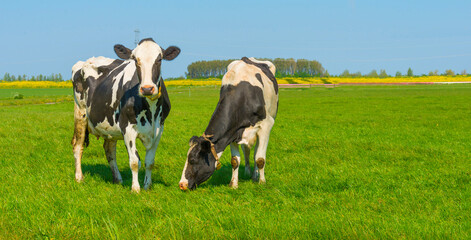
x,y
200,163
148,57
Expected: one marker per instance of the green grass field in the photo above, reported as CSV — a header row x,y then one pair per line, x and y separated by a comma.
x,y
379,162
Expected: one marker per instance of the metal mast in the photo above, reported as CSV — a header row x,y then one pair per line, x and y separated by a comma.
x,y
136,36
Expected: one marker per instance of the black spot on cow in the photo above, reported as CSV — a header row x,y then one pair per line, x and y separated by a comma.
x,y
137,155
259,78
163,102
265,69
106,69
146,39
79,84
130,144
156,70
239,107
87,139
143,121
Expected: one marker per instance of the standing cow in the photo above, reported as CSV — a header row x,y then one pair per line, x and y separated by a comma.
x,y
244,115
122,99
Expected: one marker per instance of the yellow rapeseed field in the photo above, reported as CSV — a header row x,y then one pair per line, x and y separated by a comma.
x,y
286,80
35,84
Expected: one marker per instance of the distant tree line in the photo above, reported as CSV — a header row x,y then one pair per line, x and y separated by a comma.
x,y
53,77
382,73
284,68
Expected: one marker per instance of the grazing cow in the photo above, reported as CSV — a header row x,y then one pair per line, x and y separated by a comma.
x,y
244,115
122,99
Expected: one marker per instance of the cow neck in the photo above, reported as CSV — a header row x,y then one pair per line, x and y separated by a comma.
x,y
221,135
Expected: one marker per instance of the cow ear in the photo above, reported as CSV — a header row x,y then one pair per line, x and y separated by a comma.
x,y
171,52
122,51
206,146
193,140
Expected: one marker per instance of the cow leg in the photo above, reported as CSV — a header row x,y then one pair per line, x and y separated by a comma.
x,y
130,142
80,128
150,158
246,151
255,168
110,151
235,162
260,154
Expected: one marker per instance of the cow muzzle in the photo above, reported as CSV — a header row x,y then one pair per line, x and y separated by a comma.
x,y
183,186
147,90
150,92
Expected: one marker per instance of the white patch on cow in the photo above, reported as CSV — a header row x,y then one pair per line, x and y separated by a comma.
x,y
77,66
90,67
183,179
270,65
235,170
146,54
105,130
239,71
249,136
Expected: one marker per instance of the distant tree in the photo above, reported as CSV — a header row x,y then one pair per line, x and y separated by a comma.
x,y
356,74
449,72
433,73
464,72
382,73
345,73
410,73
326,74
6,77
32,78
373,73
398,74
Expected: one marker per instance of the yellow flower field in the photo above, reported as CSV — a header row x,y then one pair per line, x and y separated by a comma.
x,y
287,80
35,84
336,80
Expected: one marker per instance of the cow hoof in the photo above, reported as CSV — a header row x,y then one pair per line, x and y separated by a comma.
x,y
79,178
247,172
262,181
135,189
147,187
255,177
118,181
233,186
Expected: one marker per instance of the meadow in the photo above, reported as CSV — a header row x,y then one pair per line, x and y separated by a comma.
x,y
350,162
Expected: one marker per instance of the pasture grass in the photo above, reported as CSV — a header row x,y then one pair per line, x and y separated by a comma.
x,y
34,96
374,162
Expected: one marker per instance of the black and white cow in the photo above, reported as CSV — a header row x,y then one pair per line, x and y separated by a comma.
x,y
122,99
244,116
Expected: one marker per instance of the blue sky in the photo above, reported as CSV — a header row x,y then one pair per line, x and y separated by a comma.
x,y
44,37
